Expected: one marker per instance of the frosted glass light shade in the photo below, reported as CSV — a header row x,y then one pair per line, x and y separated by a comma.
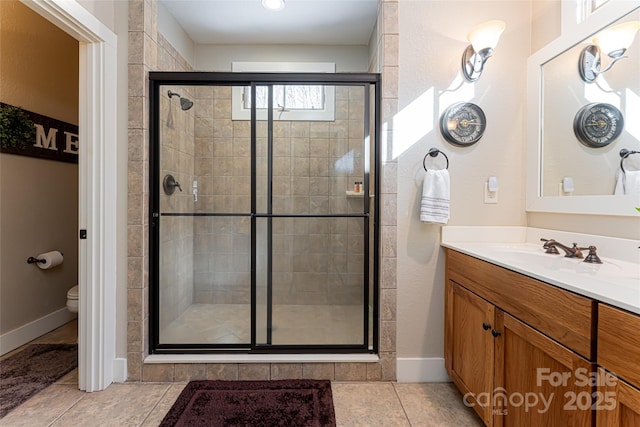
x,y
617,37
486,35
273,4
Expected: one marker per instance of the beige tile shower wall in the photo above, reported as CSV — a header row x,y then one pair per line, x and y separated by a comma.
x,y
147,50
385,61
316,261
223,172
144,55
177,232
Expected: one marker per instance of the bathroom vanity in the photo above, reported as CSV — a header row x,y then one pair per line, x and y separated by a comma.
x,y
527,347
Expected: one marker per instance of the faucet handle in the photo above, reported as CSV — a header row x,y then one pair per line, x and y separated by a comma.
x,y
592,257
578,251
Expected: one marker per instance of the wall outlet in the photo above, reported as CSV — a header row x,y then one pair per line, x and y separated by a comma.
x,y
490,196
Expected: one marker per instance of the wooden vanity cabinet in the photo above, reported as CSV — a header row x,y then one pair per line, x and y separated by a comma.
x,y
544,383
619,402
504,347
469,347
619,372
619,343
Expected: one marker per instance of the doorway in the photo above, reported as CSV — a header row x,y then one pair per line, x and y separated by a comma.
x,y
97,261
264,212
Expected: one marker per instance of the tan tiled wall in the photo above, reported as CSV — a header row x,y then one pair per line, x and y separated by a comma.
x,y
177,233
316,261
223,172
149,51
386,63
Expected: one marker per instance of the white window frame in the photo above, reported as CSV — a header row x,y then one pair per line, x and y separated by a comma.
x,y
239,112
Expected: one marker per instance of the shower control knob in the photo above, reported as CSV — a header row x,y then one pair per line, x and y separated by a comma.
x,y
169,185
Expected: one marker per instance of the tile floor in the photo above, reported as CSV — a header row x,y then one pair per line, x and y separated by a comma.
x,y
292,324
145,404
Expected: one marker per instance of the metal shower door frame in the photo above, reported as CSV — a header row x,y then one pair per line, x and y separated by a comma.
x,y
367,81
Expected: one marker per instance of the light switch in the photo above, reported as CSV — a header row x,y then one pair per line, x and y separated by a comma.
x,y
491,196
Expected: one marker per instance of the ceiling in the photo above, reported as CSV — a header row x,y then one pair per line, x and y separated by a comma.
x,y
311,22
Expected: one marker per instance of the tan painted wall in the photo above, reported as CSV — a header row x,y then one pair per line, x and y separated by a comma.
x,y
545,22
38,198
429,81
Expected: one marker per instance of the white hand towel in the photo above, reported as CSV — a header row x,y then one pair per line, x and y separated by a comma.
x,y
619,188
632,182
434,207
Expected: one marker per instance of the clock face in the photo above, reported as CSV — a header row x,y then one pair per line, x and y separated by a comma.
x,y
463,124
598,124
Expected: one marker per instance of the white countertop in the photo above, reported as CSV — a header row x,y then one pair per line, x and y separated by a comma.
x,y
616,281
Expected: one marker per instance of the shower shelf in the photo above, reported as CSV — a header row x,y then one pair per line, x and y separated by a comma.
x,y
354,194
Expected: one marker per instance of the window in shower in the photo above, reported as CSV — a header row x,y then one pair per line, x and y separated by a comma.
x,y
263,246
291,102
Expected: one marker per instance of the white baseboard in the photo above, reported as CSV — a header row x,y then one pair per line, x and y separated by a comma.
x,y
421,370
120,370
32,330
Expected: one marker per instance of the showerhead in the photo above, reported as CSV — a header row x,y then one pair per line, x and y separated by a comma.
x,y
185,103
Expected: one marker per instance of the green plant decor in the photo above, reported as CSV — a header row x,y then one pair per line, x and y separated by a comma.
x,y
16,128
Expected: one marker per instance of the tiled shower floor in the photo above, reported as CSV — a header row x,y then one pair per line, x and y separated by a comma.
x,y
292,324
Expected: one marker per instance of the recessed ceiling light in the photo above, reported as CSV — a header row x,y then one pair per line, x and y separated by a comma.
x,y
273,4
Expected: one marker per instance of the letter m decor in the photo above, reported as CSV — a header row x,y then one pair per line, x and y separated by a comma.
x,y
53,139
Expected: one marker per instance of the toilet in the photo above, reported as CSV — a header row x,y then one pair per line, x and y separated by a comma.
x,y
72,299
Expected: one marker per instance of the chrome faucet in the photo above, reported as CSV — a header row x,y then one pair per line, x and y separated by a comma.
x,y
552,246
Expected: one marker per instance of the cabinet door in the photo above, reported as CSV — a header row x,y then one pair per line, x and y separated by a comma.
x,y
469,347
538,381
618,342
618,402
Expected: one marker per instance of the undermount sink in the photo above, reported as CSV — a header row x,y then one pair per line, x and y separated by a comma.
x,y
521,255
532,256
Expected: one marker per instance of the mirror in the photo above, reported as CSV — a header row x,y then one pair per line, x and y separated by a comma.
x,y
556,93
592,170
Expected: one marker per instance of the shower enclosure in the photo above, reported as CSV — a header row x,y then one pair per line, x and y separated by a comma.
x,y
264,201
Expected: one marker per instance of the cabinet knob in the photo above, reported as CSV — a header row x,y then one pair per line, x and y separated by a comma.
x,y
486,326
495,333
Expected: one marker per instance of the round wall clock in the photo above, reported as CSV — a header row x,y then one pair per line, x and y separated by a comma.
x,y
463,124
598,124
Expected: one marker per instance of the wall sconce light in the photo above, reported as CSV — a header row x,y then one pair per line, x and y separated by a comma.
x,y
483,38
614,42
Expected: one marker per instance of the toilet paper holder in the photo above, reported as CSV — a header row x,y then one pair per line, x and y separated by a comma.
x,y
34,260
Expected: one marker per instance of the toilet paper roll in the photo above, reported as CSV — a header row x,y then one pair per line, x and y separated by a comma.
x,y
52,259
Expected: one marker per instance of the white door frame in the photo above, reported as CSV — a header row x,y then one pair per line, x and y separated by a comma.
x,y
97,188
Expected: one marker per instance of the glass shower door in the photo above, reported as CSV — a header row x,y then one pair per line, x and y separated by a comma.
x,y
263,235
313,227
205,222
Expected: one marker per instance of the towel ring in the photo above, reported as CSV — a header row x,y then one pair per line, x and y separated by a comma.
x,y
624,153
433,152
